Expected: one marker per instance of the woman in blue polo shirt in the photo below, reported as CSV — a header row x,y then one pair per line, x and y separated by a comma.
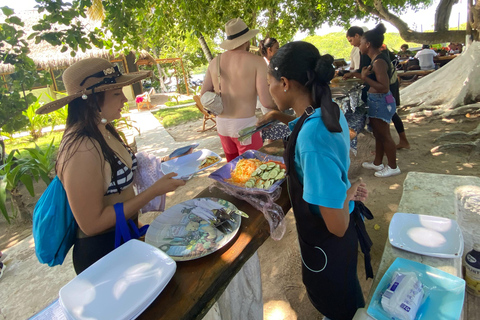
x,y
317,158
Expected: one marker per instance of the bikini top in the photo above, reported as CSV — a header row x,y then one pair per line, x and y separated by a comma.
x,y
124,175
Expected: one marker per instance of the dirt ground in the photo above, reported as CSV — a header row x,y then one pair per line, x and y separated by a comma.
x,y
283,292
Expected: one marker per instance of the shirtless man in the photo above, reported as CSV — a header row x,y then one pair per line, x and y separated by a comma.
x,y
243,77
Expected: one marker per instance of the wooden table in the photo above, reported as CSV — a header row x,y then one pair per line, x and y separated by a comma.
x,y
197,284
443,60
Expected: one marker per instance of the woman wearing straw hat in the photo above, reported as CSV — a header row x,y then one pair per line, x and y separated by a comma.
x,y
94,165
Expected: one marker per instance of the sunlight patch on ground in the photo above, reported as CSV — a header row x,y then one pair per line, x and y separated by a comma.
x,y
468,165
436,130
449,120
394,186
278,310
393,207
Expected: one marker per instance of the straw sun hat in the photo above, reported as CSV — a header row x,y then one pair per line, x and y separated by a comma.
x,y
237,34
88,76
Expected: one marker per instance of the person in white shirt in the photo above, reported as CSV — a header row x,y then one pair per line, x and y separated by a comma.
x,y
425,57
355,58
354,34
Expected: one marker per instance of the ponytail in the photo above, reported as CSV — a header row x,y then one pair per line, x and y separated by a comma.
x,y
321,93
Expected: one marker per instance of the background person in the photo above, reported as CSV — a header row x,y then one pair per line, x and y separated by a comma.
x,y
425,58
268,48
354,35
317,159
243,78
380,101
404,53
94,164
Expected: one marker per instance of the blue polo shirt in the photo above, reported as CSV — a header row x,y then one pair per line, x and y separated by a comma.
x,y
322,160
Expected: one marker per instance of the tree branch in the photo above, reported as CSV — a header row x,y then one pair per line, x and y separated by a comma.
x,y
408,34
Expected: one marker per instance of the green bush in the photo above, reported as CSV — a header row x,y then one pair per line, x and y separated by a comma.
x,y
25,170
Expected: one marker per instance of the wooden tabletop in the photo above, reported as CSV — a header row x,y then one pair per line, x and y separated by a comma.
x,y
197,284
449,57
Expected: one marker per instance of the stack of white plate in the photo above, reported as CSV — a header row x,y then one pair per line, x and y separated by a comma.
x,y
121,285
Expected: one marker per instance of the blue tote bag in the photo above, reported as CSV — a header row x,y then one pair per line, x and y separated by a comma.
x,y
54,227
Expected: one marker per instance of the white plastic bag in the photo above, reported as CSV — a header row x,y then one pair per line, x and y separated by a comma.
x,y
403,296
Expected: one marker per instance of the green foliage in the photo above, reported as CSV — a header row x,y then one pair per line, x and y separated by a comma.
x,y
26,142
13,88
174,116
25,170
36,122
42,161
336,44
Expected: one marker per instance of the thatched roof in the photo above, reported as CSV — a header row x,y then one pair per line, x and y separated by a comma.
x,y
47,56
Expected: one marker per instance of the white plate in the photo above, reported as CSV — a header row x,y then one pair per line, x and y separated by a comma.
x,y
185,236
427,235
120,285
188,165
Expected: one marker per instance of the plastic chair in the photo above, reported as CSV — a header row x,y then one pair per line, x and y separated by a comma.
x,y
206,115
144,101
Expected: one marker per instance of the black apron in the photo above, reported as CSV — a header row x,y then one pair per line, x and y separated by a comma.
x,y
329,263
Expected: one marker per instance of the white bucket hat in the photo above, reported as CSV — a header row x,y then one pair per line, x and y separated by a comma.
x,y
237,34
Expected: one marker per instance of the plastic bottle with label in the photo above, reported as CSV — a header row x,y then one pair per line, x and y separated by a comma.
x,y
472,274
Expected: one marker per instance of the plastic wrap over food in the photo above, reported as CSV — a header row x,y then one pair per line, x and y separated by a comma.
x,y
147,173
261,199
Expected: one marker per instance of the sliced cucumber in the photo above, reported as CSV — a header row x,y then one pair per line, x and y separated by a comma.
x,y
249,184
277,167
268,184
280,176
272,174
265,175
271,165
259,184
254,173
263,167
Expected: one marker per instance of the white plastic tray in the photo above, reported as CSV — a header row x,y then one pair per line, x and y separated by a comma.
x,y
120,285
427,235
188,165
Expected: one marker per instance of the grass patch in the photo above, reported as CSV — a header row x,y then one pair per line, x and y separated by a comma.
x,y
27,142
175,103
174,116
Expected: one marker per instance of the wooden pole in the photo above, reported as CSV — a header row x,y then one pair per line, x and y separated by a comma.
x,y
184,76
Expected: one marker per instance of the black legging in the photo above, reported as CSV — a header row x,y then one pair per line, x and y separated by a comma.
x,y
397,122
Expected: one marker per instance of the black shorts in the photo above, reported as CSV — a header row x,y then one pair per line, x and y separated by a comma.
x,y
87,251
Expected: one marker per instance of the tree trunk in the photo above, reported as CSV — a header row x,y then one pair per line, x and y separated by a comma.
x,y
442,14
19,206
474,19
205,48
408,34
160,73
